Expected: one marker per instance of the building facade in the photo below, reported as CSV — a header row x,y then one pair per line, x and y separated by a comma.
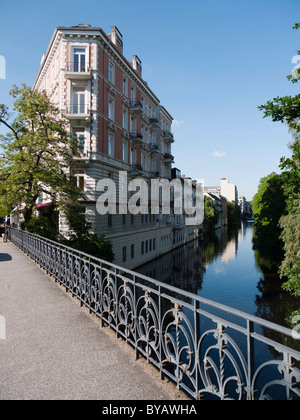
x,y
120,125
229,191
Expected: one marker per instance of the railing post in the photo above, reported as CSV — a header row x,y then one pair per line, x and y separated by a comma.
x,y
196,339
160,334
250,355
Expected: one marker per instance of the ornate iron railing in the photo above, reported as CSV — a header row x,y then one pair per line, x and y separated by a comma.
x,y
210,351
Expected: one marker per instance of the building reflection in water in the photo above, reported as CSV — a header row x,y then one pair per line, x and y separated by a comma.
x,y
185,266
259,285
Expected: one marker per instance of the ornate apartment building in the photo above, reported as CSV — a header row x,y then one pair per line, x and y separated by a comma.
x,y
120,125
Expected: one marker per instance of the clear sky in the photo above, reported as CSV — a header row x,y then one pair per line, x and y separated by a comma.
x,y
211,63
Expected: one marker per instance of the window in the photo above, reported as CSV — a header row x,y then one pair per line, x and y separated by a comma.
x,y
78,98
132,123
111,108
142,248
79,138
110,150
124,86
78,179
124,219
143,160
132,94
111,72
79,60
125,152
132,156
110,220
124,252
124,119
81,182
132,251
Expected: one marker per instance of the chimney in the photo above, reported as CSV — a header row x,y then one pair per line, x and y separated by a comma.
x,y
137,65
116,38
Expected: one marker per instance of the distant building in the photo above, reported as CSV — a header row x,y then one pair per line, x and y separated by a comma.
x,y
213,190
242,204
229,191
220,204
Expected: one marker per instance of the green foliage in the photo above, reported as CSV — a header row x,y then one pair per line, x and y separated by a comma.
x,y
232,213
45,226
290,267
268,207
38,154
287,110
210,213
82,238
31,166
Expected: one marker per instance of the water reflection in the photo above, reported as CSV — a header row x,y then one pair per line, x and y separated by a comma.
x,y
223,267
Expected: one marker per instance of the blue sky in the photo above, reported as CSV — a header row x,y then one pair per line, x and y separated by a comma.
x,y
211,63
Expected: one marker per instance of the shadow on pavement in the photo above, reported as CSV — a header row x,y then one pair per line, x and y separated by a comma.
x,y
5,257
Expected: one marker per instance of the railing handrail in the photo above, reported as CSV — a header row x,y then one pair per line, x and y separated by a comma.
x,y
192,296
74,67
70,107
164,324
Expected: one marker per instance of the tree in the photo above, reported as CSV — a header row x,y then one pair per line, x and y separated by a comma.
x,y
211,214
232,213
37,154
268,207
287,110
83,238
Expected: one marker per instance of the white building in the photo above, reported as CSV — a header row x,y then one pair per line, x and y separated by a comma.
x,y
229,191
121,126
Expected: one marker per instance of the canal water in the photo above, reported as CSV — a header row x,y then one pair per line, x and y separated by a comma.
x,y
223,267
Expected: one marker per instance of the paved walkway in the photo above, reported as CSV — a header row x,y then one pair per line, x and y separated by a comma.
x,y
55,350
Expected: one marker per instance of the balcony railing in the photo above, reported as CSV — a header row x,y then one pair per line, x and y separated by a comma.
x,y
168,158
136,137
153,122
80,69
168,136
136,169
77,109
209,350
77,68
154,148
136,107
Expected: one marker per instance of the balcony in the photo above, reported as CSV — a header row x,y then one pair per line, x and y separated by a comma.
x,y
77,112
136,107
154,175
136,169
77,71
154,148
153,122
136,137
168,158
168,137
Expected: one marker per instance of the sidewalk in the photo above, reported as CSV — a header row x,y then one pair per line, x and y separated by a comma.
x,y
55,350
